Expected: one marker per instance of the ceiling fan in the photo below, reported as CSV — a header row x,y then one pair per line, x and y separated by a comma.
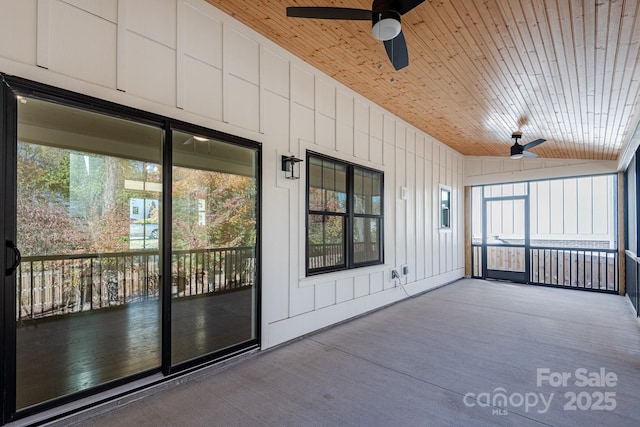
x,y
384,16
519,151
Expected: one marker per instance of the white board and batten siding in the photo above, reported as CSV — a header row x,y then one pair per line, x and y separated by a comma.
x,y
187,60
485,170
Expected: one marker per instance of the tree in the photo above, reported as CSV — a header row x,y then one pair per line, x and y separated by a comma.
x,y
230,209
74,202
44,224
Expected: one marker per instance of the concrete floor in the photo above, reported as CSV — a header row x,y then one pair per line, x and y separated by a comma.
x,y
439,359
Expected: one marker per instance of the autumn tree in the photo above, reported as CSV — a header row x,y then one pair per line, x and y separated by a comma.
x,y
72,202
229,209
45,225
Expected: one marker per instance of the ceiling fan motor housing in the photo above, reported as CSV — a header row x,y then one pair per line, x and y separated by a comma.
x,y
516,150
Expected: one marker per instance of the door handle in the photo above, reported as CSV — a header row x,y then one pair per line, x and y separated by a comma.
x,y
17,257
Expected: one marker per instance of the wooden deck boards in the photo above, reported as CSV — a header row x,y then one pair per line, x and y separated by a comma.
x,y
68,354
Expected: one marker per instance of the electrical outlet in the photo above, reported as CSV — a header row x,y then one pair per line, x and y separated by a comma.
x,y
395,274
405,270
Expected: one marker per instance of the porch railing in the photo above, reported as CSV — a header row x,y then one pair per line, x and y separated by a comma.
x,y
578,268
61,284
632,275
326,255
582,268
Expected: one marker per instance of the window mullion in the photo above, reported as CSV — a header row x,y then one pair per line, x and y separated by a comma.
x,y
349,219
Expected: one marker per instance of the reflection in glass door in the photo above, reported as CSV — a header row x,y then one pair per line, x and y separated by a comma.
x,y
213,246
87,290
505,239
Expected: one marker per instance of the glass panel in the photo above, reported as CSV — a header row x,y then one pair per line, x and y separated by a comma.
x,y
367,192
316,195
365,240
520,189
570,206
445,204
326,241
335,186
88,208
492,191
533,209
213,243
360,193
603,214
574,212
556,197
503,190
543,212
507,216
505,222
327,186
584,206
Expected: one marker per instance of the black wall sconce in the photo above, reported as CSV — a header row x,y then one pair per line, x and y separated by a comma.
x,y
291,167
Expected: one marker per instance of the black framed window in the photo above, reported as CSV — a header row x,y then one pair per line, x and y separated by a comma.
x,y
344,215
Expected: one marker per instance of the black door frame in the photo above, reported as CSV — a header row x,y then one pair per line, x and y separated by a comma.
x,y
513,276
10,88
8,136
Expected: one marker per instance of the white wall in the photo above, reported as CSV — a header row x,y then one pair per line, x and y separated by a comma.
x,y
496,170
187,60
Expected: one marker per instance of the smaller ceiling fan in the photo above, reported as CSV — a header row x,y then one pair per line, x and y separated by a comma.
x,y
519,151
385,20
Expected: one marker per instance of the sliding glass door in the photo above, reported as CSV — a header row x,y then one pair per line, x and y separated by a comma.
x,y
213,242
89,190
130,247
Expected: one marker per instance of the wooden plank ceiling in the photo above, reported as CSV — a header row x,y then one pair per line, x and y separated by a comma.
x,y
564,70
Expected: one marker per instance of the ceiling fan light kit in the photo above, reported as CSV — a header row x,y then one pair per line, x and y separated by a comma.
x,y
515,155
386,26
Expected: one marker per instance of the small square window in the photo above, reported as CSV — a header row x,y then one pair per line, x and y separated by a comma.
x,y
445,206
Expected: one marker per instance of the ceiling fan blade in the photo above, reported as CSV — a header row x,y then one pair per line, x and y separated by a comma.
x,y
404,6
534,143
529,154
397,51
329,13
